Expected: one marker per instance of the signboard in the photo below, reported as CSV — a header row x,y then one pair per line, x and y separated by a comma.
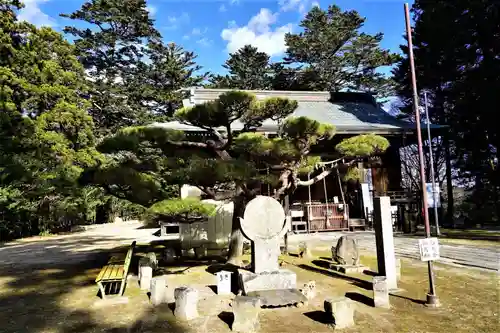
x,y
223,282
367,198
430,195
429,249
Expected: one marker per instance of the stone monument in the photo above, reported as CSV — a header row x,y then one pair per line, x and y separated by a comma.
x,y
186,303
264,224
246,314
386,258
346,256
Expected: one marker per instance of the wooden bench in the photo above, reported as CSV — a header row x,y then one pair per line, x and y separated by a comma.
x,y
115,273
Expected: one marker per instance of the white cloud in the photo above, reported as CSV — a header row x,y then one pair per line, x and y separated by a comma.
x,y
302,6
33,14
204,41
222,8
175,21
257,32
152,10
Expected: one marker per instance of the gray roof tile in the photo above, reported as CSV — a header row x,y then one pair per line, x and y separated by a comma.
x,y
347,117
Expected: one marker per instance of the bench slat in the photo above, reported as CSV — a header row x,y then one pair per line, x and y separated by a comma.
x,y
111,272
117,268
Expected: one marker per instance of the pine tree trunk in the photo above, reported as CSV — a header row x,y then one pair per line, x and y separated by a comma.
x,y
236,241
450,209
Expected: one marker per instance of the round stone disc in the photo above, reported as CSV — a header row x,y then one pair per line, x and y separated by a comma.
x,y
264,218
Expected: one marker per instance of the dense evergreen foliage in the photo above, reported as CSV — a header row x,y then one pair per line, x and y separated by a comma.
x,y
457,56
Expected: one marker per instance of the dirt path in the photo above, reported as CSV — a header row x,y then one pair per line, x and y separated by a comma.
x,y
82,245
79,246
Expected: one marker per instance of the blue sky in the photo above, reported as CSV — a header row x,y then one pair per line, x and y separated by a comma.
x,y
214,28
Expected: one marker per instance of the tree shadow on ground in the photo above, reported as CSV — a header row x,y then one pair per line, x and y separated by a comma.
x,y
357,297
322,264
416,301
227,317
61,297
319,316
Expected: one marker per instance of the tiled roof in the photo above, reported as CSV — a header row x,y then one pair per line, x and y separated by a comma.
x,y
350,113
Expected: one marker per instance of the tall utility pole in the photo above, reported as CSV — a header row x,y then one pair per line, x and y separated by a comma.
x,y
431,153
432,299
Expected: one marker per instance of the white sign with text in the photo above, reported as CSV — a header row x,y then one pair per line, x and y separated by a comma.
x,y
429,249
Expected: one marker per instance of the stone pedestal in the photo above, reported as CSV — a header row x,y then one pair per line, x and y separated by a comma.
x,y
246,314
340,312
380,292
159,290
385,241
348,269
279,279
186,303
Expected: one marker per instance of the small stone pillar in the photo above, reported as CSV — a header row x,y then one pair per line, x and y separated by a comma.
x,y
380,292
152,259
159,290
386,258
340,312
246,314
145,273
169,255
223,282
305,250
186,303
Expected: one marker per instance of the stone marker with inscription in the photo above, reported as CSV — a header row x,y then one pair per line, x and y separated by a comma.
x,y
346,256
264,224
380,292
384,238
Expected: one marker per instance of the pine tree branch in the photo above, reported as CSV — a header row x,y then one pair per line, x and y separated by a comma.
x,y
323,174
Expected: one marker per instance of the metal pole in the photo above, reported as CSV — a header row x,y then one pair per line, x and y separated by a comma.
x,y
432,299
436,217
